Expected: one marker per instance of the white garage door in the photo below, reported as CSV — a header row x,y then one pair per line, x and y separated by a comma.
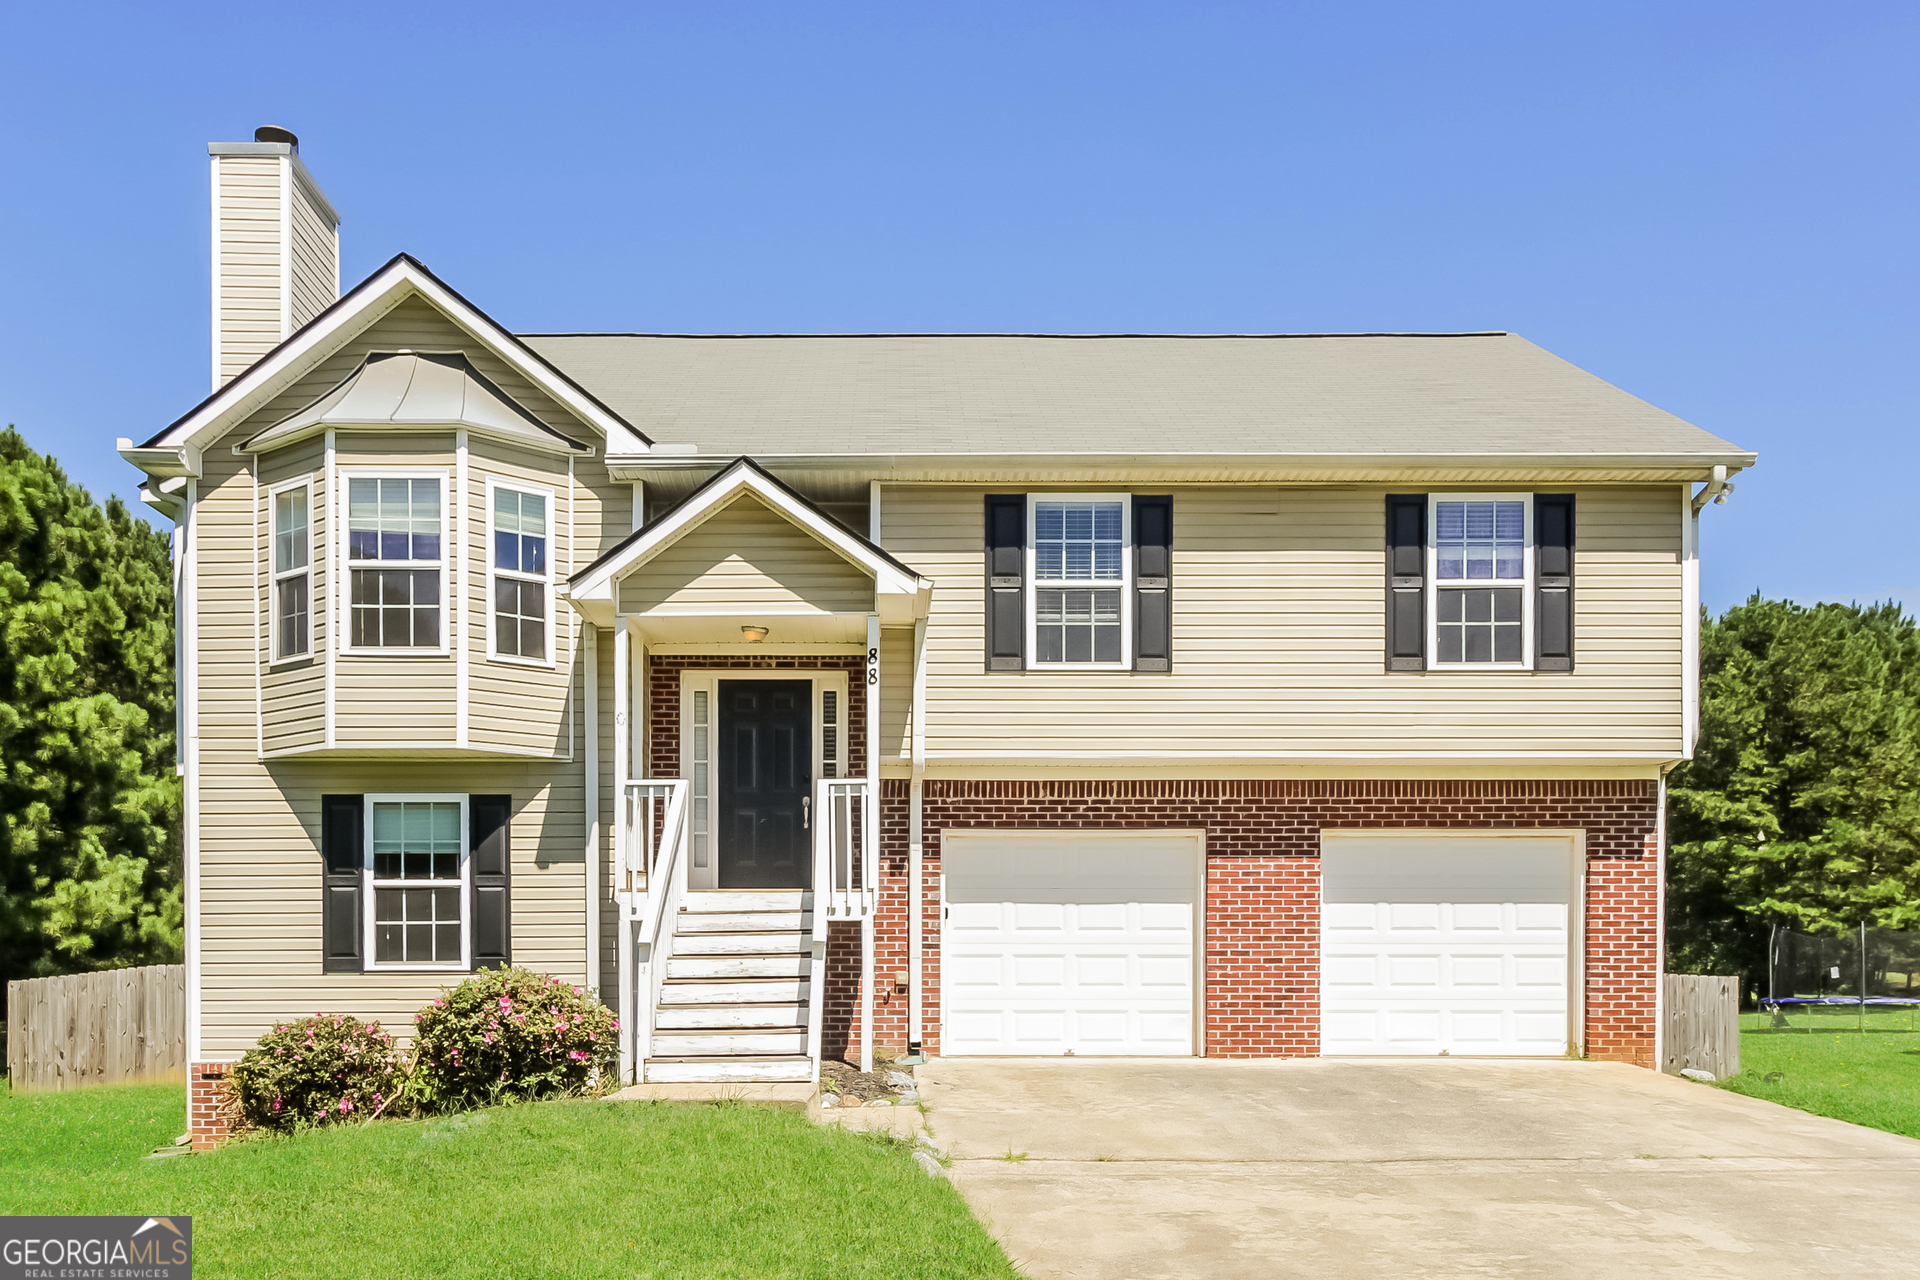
x,y
1071,942
1445,944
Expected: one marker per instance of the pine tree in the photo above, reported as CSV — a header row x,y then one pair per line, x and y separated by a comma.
x,y
90,873
1802,802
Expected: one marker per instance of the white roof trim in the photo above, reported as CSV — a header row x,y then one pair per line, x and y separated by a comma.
x,y
743,477
352,315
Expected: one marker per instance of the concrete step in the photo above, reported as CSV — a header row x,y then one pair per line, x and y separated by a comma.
x,y
791,966
743,921
742,944
713,902
702,1070
761,1042
674,1017
789,991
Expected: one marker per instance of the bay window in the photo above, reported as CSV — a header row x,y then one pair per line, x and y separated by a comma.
x,y
522,575
396,560
291,610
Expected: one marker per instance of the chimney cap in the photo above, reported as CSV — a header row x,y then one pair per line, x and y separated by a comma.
x,y
274,133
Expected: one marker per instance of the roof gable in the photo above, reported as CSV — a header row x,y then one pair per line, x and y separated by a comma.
x,y
401,279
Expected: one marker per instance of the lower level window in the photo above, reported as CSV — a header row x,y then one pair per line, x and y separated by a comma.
x,y
418,874
396,608
1479,624
1076,626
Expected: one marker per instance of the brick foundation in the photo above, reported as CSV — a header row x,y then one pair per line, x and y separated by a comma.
x,y
208,1122
1263,889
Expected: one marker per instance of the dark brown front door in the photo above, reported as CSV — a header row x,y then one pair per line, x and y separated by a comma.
x,y
765,784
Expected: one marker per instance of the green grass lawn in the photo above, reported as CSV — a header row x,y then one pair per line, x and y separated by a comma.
x,y
1827,1066
565,1189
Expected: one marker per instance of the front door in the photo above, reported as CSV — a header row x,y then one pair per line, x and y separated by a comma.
x,y
765,784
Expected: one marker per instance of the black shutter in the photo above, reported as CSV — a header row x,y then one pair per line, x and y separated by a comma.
x,y
1553,572
1406,582
1153,584
342,828
1006,586
489,819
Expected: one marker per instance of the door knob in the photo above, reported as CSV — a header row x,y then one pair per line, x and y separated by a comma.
x,y
806,812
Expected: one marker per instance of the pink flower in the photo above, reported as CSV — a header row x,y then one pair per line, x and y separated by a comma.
x,y
346,1104
576,1055
615,1025
506,1002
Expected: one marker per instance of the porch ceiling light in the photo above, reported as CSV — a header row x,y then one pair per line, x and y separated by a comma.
x,y
754,635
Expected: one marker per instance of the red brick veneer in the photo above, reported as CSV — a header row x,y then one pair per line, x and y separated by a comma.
x,y
1263,887
208,1119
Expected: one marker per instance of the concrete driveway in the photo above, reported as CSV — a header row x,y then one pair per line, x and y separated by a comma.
x,y
1140,1168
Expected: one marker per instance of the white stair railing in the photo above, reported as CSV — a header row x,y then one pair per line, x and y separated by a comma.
x,y
845,888
653,883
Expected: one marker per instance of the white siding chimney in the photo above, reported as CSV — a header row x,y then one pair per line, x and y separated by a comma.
x,y
276,248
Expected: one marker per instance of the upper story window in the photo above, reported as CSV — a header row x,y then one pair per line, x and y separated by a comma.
x,y
292,607
1079,580
522,574
1482,549
395,553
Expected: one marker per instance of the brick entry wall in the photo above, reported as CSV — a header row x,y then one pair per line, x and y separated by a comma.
x,y
1263,890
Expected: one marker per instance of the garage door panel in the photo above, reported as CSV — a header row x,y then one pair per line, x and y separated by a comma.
x,y
1081,944
1477,966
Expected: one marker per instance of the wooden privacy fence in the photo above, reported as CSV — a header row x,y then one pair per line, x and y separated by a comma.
x,y
1702,1025
119,1026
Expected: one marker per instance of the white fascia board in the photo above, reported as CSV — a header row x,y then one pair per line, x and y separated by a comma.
x,y
326,335
888,580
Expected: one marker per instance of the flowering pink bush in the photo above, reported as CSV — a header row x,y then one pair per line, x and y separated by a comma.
x,y
319,1070
511,1034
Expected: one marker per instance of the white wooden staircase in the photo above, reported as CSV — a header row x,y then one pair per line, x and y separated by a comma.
x,y
735,1000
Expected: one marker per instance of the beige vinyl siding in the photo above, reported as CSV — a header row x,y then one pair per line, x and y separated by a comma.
x,y
1278,630
519,705
293,694
259,819
260,887
248,279
896,695
746,556
315,274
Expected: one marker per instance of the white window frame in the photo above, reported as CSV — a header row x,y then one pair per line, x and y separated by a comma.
x,y
1124,583
343,586
703,822
495,483
1525,583
275,576
367,884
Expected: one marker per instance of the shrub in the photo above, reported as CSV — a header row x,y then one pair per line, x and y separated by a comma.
x,y
512,1035
320,1070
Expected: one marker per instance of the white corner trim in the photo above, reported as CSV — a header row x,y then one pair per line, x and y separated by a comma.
x,y
188,666
286,248
215,299
1689,624
336,608
458,589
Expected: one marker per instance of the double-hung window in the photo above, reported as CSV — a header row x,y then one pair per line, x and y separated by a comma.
x,y
395,555
522,574
418,881
1482,575
1079,571
291,609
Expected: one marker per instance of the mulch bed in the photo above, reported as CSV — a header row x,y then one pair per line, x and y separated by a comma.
x,y
857,1086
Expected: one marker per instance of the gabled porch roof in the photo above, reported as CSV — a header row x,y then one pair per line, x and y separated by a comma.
x,y
901,594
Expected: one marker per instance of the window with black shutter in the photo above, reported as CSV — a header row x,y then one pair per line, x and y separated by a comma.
x,y
1406,582
1153,583
342,866
1006,581
1553,570
490,824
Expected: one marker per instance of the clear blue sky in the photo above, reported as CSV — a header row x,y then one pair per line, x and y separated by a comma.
x,y
1711,206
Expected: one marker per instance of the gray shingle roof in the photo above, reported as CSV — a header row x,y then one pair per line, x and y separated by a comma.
x,y
1389,394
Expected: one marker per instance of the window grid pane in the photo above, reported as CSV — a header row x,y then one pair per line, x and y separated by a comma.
x,y
396,609
393,519
1478,625
520,618
417,896
1479,541
519,531
1077,626
1077,541
290,531
292,601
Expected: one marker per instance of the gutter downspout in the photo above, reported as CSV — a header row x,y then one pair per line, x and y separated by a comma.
x,y
916,878
622,770
1660,931
590,785
187,668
